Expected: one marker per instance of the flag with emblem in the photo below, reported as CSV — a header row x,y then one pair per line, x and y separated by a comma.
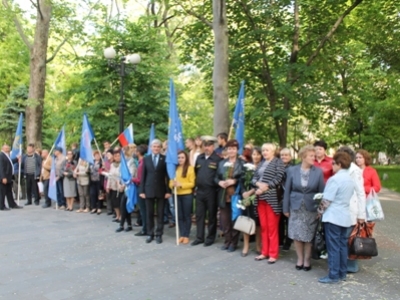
x,y
86,138
175,135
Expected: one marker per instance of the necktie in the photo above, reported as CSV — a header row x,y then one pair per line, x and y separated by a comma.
x,y
155,160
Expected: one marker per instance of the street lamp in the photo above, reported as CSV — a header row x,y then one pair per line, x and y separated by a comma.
x,y
123,68
360,129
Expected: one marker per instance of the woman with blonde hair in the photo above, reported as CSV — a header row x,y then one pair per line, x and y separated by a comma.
x,y
267,178
302,183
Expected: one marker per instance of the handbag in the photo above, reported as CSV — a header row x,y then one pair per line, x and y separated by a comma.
x,y
374,207
245,224
362,245
235,198
318,243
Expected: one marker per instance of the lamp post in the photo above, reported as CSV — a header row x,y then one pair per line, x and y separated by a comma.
x,y
360,128
123,68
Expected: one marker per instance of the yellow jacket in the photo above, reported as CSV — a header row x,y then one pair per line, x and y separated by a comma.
x,y
187,182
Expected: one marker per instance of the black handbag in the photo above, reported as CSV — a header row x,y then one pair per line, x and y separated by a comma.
x,y
363,246
318,243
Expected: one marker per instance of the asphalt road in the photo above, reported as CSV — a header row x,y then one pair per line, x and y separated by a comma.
x,y
49,254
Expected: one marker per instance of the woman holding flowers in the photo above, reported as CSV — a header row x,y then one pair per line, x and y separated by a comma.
x,y
256,156
302,183
228,177
267,178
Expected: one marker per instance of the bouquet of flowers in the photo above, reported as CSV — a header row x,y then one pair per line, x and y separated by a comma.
x,y
318,198
228,168
248,176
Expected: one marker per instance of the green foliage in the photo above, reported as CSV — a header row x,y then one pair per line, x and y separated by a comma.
x,y
10,112
393,180
95,90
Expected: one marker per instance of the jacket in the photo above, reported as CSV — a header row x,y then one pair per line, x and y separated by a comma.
x,y
154,180
357,201
38,166
295,193
273,175
371,180
186,182
237,174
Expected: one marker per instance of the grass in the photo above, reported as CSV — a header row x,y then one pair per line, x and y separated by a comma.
x,y
393,181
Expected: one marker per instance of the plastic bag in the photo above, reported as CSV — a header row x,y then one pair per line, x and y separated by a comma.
x,y
374,208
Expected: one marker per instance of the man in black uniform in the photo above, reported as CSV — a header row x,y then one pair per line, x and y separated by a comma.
x,y
206,192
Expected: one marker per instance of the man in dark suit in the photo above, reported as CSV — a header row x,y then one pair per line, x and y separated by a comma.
x,y
6,174
154,188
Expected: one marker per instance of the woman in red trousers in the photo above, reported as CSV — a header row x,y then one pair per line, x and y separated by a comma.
x,y
267,177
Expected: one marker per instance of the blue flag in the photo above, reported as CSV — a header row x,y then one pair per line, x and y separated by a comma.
x,y
238,118
86,138
151,138
52,181
175,135
17,144
60,141
130,189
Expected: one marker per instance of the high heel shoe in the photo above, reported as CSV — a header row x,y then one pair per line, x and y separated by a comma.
x,y
298,268
307,268
99,211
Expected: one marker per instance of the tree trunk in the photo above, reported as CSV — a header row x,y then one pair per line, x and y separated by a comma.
x,y
37,83
221,68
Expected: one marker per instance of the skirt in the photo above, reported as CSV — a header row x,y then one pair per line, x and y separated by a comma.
x,y
69,186
302,224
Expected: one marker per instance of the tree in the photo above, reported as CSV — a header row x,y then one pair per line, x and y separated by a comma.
x,y
38,46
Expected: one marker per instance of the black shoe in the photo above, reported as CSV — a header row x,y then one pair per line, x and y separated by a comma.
x,y
28,203
115,220
307,268
285,248
109,213
46,206
36,203
140,233
4,208
137,224
16,207
207,244
196,242
231,248
224,247
298,268
129,228
120,229
149,239
158,239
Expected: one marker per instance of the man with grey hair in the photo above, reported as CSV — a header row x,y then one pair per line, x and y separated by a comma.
x,y
155,190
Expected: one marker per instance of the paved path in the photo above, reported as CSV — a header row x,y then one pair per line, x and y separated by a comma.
x,y
52,255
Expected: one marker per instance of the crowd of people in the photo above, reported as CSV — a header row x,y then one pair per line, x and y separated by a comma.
x,y
207,176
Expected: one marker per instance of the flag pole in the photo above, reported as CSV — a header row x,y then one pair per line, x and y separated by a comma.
x,y
51,150
19,174
176,216
98,149
230,130
114,142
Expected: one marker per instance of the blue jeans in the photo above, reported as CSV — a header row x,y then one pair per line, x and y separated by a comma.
x,y
352,264
185,209
336,244
60,193
142,209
